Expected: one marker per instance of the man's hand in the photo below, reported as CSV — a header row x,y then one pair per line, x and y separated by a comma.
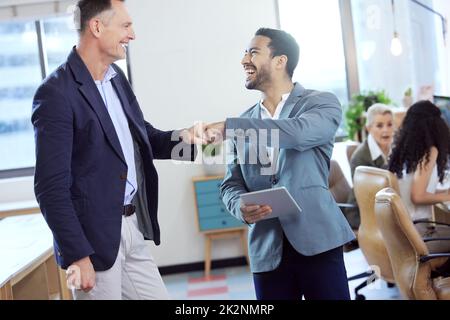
x,y
195,134
215,132
254,213
81,275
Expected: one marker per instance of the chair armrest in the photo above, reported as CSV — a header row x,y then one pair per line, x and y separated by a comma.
x,y
434,256
435,239
419,221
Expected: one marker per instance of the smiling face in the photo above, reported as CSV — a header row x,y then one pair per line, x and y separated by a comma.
x,y
382,130
116,32
258,64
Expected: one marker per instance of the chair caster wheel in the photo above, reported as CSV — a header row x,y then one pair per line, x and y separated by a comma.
x,y
360,297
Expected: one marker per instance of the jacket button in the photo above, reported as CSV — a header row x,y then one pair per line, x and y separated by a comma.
x,y
123,176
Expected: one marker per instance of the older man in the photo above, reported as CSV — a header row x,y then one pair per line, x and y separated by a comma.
x,y
95,180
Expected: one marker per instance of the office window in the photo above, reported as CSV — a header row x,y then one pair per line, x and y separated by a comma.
x,y
22,70
316,25
420,61
20,76
59,38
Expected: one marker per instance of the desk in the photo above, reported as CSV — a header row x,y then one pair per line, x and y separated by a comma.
x,y
28,270
442,212
18,208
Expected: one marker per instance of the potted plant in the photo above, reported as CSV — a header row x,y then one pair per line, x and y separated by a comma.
x,y
357,108
407,98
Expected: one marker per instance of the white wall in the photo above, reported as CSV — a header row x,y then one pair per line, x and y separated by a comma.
x,y
185,67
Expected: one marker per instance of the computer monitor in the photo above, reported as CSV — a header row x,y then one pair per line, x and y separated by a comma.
x,y
443,103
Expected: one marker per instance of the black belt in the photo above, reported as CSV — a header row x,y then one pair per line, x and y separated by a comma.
x,y
128,210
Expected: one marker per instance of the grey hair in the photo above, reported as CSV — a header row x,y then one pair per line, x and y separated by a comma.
x,y
377,109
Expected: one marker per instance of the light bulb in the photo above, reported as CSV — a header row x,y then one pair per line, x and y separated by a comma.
x,y
396,45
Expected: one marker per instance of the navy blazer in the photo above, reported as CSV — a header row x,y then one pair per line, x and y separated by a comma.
x,y
80,168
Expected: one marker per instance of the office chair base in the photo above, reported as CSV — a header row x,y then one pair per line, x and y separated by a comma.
x,y
362,285
360,297
360,276
372,277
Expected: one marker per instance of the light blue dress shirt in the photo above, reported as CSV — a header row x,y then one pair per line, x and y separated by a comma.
x,y
120,121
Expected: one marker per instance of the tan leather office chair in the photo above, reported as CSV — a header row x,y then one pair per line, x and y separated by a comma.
x,y
338,184
367,181
350,149
340,190
410,259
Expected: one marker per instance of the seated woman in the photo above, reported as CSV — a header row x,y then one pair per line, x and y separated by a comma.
x,y
419,158
373,152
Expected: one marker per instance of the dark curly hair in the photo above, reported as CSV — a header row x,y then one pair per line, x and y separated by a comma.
x,y
422,129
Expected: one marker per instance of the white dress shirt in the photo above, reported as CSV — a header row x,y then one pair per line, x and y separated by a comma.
x,y
375,150
120,121
265,114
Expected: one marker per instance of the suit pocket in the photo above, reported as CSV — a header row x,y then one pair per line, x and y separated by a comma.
x,y
313,198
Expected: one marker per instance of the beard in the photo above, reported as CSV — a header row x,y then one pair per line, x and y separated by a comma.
x,y
262,77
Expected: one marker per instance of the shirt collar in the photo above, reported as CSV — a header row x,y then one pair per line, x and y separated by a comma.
x,y
284,98
374,148
110,73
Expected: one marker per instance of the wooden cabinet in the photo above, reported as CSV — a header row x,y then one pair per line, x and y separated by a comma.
x,y
211,212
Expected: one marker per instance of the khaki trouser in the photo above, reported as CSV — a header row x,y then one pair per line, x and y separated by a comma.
x,y
134,275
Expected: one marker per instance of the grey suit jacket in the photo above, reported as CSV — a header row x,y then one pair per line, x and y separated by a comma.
x,y
307,127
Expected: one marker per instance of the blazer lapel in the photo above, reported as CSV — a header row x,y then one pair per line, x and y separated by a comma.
x,y
379,163
256,114
127,109
254,149
292,101
90,92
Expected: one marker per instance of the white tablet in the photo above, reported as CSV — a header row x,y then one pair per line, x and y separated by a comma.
x,y
279,199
